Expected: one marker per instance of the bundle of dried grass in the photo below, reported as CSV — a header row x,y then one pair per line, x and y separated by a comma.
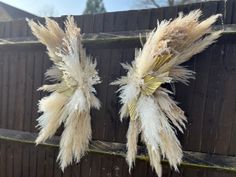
x,y
151,110
73,93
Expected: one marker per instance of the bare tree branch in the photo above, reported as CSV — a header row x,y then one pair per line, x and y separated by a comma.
x,y
154,3
171,2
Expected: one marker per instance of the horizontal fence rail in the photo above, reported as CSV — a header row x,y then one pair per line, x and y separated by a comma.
x,y
190,159
90,39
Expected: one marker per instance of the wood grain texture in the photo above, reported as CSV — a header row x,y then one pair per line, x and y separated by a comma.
x,y
190,159
116,39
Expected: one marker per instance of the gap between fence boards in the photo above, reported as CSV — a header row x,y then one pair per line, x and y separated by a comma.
x,y
190,159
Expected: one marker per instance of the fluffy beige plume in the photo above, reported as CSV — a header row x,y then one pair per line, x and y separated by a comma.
x,y
155,159
49,121
75,139
144,99
72,95
132,137
51,35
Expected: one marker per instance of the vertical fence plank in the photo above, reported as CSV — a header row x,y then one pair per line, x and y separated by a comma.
x,y
29,74
170,12
112,108
1,143
103,65
233,14
85,166
198,105
19,110
229,9
9,159
1,84
25,159
108,22
36,153
4,103
95,160
11,109
2,29
38,80
17,159
20,92
186,94
88,23
221,9
213,104
156,15
76,170
79,21
49,161
227,102
12,89
7,29
209,8
57,170
114,69
143,19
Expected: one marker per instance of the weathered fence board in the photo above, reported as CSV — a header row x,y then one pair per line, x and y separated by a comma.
x,y
102,40
192,159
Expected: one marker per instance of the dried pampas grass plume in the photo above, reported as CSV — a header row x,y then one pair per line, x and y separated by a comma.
x,y
73,93
151,110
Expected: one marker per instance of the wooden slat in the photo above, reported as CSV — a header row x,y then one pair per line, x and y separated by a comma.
x,y
57,170
46,154
226,115
213,102
20,92
88,23
184,95
143,22
7,29
29,84
4,103
37,82
221,9
35,153
230,16
25,160
9,159
112,120
156,15
104,164
170,12
233,14
13,61
191,159
91,165
1,86
127,55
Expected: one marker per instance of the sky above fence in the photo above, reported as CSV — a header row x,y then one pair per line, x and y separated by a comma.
x,y
65,7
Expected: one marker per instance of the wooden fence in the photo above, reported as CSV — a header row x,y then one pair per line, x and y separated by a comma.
x,y
209,141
